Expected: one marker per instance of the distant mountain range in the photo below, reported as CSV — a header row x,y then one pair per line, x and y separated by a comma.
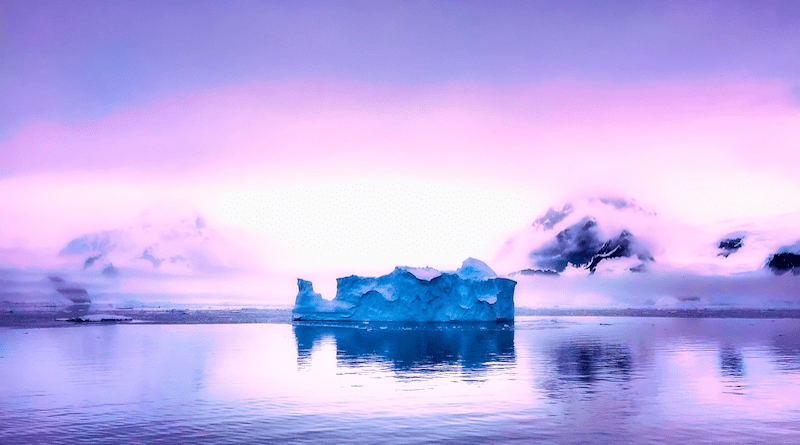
x,y
607,234
591,252
182,246
612,251
140,256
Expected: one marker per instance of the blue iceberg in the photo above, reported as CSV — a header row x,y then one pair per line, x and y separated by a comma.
x,y
473,293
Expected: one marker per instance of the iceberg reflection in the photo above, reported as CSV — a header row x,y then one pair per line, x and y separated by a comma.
x,y
589,362
410,347
731,362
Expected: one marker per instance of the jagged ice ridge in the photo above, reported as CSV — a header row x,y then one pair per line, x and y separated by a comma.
x,y
473,293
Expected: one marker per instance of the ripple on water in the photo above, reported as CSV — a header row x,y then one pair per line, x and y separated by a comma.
x,y
544,380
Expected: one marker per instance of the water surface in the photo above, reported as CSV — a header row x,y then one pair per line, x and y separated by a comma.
x,y
543,379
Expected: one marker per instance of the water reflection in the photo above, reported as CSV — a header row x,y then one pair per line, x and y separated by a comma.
x,y
411,347
731,362
587,369
588,362
579,380
731,365
786,347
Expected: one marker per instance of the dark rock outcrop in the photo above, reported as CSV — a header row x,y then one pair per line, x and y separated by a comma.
x,y
110,271
620,247
783,262
553,217
91,260
576,246
581,245
729,246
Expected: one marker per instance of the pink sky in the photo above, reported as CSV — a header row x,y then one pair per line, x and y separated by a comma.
x,y
703,152
364,136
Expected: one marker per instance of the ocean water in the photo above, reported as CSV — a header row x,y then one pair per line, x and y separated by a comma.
x,y
561,380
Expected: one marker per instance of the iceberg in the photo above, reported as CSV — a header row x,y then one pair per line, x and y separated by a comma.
x,y
473,293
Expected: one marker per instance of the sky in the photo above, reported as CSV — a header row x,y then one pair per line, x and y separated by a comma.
x,y
360,135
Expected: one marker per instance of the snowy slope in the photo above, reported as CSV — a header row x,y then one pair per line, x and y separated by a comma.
x,y
601,252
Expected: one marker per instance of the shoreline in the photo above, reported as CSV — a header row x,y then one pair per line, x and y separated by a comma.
x,y
48,317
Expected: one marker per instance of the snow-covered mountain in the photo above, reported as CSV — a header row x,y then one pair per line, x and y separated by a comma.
x,y
613,251
181,246
171,252
592,235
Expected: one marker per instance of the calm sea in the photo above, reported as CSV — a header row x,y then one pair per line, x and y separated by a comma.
x,y
564,380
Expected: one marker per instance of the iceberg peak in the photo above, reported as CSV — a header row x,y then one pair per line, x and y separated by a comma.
x,y
472,269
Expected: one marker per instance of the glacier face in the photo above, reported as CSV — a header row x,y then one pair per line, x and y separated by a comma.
x,y
473,293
